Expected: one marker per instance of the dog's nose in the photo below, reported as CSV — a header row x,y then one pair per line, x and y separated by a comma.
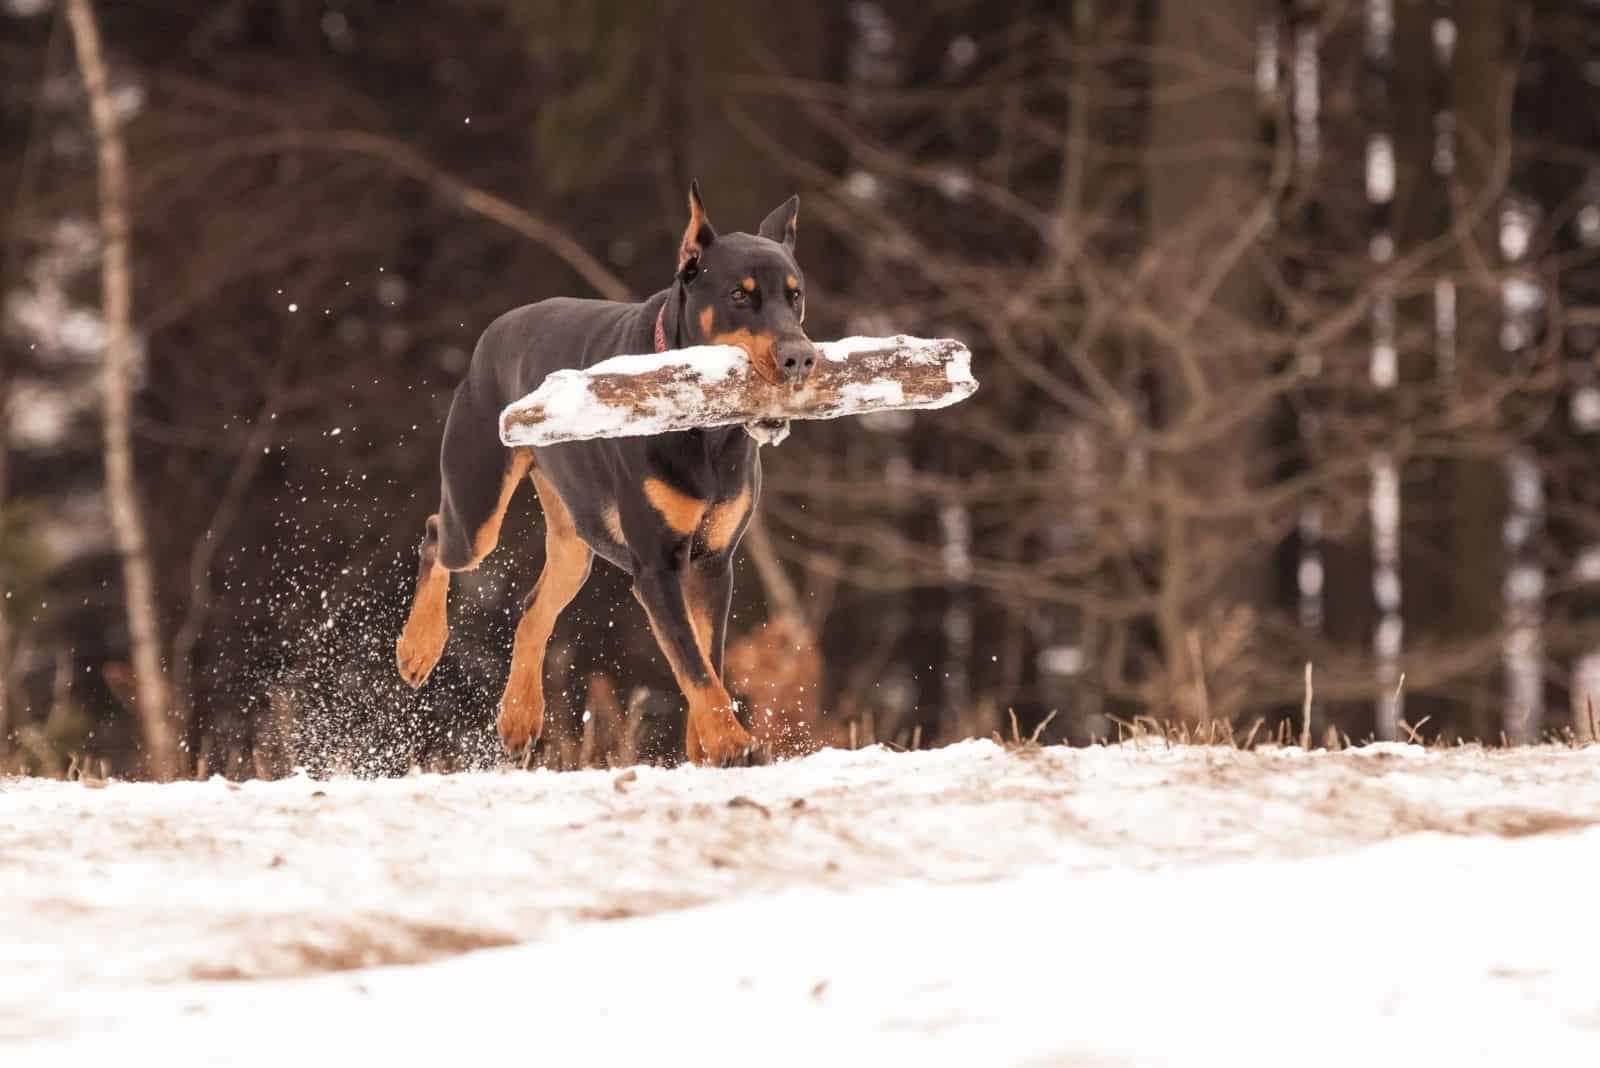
x,y
796,359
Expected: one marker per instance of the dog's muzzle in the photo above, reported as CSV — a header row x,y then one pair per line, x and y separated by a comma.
x,y
795,357
768,431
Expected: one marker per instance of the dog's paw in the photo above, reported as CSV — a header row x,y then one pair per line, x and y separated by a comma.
x,y
524,755
743,752
519,728
754,756
416,659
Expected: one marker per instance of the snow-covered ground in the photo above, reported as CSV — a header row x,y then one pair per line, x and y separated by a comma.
x,y
964,906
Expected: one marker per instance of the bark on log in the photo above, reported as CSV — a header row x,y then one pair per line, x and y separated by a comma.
x,y
714,385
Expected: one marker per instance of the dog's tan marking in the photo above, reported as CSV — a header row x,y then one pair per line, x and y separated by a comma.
x,y
566,567
706,318
696,599
681,512
792,282
691,741
748,284
613,523
694,596
758,347
692,245
723,519
427,626
722,739
488,535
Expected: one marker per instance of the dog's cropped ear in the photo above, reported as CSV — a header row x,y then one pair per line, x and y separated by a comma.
x,y
697,236
783,223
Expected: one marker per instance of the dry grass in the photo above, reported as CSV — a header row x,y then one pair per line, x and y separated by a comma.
x,y
614,734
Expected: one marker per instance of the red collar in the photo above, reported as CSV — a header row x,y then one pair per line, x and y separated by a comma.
x,y
661,329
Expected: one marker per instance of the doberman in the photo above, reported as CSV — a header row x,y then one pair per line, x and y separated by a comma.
x,y
669,509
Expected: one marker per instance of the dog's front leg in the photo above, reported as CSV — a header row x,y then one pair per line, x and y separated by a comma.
x,y
708,593
677,625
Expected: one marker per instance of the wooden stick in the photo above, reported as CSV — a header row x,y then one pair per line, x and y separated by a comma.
x,y
715,385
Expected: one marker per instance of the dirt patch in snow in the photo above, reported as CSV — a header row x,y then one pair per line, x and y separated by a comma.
x,y
366,942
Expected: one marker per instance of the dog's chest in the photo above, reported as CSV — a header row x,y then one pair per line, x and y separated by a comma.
x,y
711,465
705,487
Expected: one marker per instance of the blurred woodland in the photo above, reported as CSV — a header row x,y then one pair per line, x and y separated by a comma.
x,y
1287,316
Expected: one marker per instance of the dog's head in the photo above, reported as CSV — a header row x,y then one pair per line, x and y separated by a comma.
x,y
747,290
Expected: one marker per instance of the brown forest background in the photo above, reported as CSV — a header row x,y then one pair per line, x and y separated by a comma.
x,y
1286,314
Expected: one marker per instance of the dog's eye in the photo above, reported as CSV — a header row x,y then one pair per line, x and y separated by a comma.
x,y
738,296
794,297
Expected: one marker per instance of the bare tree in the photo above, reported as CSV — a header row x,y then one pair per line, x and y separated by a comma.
x,y
1196,184
1256,356
122,494
5,629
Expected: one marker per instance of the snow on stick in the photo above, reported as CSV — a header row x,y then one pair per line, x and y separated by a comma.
x,y
715,385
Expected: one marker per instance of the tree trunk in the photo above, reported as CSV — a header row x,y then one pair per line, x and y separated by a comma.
x,y
1452,560
162,757
1201,181
1564,33
1337,234
5,630
1481,489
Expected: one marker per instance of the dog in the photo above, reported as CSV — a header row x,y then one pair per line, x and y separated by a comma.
x,y
669,509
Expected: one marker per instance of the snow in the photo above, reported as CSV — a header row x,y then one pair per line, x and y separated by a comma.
x,y
868,396
959,373
710,363
843,349
968,905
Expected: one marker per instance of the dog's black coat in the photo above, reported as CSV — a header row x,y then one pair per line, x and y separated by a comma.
x,y
669,509
513,357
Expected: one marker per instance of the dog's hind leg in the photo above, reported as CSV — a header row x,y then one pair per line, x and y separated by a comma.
x,y
479,476
427,626
566,568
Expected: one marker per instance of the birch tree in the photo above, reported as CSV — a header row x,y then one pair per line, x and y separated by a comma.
x,y
160,731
